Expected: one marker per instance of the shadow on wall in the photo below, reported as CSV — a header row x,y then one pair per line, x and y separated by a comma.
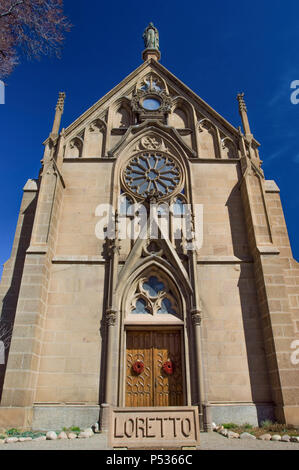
x,y
10,300
254,341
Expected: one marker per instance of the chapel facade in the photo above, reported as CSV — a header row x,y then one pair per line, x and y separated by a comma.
x,y
99,314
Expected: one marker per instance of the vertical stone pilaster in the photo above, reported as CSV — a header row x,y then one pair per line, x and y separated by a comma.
x,y
276,319
20,381
13,271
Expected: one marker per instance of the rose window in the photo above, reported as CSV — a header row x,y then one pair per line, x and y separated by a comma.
x,y
152,173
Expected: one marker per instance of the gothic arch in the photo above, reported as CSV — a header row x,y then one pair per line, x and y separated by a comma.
x,y
95,138
146,265
121,114
149,79
182,115
229,148
134,144
75,147
208,139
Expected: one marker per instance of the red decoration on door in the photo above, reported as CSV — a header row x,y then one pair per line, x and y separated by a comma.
x,y
138,367
168,367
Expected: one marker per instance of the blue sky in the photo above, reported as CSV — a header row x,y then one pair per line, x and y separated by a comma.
x,y
217,48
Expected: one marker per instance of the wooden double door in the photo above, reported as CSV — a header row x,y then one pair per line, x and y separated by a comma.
x,y
152,386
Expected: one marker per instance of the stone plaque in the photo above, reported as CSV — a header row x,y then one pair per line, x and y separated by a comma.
x,y
149,427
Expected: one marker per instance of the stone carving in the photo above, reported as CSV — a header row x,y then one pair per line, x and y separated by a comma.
x,y
242,104
96,126
147,427
151,37
150,142
196,317
141,94
110,317
60,102
152,83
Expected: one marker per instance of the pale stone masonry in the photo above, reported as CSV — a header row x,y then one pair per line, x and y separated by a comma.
x,y
72,298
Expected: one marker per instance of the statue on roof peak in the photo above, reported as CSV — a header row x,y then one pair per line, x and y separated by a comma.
x,y
151,37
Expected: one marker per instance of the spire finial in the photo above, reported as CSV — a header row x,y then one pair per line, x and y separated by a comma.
x,y
59,111
151,43
243,114
242,104
60,102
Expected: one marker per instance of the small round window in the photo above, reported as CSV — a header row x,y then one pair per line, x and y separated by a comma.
x,y
151,104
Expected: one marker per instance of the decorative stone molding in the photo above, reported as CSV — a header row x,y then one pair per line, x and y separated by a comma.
x,y
60,102
150,142
152,248
154,174
111,317
242,104
196,317
96,126
161,96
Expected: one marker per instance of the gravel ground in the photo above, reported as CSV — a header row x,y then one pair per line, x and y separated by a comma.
x,y
209,441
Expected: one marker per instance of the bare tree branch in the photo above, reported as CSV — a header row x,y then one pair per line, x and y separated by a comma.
x,y
9,12
31,27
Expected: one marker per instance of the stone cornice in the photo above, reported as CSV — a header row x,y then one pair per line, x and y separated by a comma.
x,y
78,259
222,260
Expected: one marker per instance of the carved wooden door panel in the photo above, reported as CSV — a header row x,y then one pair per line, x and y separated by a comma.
x,y
139,387
168,390
152,386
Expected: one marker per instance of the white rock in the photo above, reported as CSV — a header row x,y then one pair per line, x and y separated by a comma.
x,y
214,426
276,437
84,435
95,427
223,432
72,435
62,435
10,440
40,438
265,437
247,435
286,438
25,439
89,431
51,436
295,439
233,435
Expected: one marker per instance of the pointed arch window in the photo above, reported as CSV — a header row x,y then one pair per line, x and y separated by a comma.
x,y
124,204
153,296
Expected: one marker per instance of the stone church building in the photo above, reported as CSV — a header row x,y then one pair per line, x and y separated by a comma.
x,y
99,318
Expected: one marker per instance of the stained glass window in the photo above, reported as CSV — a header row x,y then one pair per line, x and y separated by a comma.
x,y
179,206
151,104
124,203
152,172
153,286
140,307
153,297
166,307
